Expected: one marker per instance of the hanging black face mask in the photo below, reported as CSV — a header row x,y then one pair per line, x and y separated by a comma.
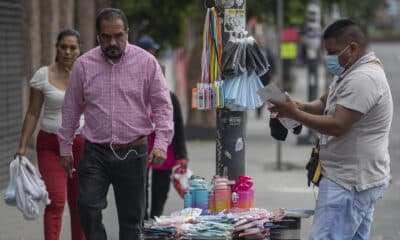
x,y
278,131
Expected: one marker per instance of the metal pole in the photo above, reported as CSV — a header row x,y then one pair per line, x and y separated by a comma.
x,y
231,128
279,67
313,19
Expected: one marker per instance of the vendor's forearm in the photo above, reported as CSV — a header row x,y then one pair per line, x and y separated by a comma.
x,y
315,107
321,123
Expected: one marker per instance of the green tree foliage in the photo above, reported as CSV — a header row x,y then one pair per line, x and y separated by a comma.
x,y
294,11
362,12
163,20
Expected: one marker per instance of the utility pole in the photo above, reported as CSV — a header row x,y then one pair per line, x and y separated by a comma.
x,y
231,125
279,67
313,32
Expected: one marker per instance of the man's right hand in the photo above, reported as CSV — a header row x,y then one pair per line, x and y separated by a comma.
x,y
67,162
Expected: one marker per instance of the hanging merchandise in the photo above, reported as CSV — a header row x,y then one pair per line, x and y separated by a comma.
x,y
243,64
208,94
30,190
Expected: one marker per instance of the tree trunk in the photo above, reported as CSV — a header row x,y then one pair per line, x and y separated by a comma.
x,y
49,27
66,10
85,22
32,50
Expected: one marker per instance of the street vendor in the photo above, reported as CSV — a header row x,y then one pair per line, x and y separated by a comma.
x,y
354,120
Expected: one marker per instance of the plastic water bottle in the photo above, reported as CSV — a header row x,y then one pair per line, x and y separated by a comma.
x,y
222,194
187,200
201,199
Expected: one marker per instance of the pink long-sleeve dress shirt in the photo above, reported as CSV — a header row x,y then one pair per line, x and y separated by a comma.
x,y
115,99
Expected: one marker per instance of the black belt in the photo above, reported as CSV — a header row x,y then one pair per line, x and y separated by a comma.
x,y
137,142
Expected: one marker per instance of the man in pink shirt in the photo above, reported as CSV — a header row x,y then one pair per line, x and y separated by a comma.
x,y
114,86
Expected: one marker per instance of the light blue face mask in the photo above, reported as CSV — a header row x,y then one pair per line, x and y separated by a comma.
x,y
332,63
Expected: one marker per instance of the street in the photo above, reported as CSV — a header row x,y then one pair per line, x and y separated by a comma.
x,y
273,189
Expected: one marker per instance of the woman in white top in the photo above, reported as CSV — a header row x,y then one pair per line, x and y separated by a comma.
x,y
47,89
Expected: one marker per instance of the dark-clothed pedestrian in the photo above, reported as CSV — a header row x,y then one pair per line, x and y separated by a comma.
x,y
354,120
176,152
48,89
115,85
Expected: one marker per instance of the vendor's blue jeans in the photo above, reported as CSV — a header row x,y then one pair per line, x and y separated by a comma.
x,y
341,214
98,168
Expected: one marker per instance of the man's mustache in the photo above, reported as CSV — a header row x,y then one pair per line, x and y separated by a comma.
x,y
113,47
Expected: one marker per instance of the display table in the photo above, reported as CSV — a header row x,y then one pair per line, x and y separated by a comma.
x,y
240,225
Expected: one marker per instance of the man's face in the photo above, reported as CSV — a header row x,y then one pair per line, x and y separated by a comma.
x,y
113,37
344,52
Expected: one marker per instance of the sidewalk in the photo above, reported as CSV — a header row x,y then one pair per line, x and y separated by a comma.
x,y
273,189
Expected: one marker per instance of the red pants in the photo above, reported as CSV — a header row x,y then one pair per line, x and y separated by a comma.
x,y
59,185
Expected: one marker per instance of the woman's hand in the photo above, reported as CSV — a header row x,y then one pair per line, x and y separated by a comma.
x,y
20,152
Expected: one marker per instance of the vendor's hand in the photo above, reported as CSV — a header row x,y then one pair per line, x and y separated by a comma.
x,y
285,109
67,162
157,156
300,105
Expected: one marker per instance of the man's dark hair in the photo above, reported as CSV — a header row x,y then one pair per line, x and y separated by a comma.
x,y
346,31
66,32
110,14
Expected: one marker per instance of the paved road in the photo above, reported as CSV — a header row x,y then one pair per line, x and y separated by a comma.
x,y
274,188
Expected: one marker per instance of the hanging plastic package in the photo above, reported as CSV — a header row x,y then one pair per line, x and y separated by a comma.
x,y
240,92
258,59
207,93
244,66
29,187
9,195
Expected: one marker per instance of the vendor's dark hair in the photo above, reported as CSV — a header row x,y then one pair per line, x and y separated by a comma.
x,y
110,14
346,31
67,32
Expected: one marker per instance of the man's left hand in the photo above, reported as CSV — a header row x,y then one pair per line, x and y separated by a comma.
x,y
157,156
285,109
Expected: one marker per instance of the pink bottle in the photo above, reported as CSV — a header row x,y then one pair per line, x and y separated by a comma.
x,y
244,199
222,194
244,187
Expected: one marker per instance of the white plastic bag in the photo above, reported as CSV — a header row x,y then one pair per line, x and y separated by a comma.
x,y
9,194
29,187
180,180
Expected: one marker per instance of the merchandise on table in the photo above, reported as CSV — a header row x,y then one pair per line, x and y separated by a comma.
x,y
191,224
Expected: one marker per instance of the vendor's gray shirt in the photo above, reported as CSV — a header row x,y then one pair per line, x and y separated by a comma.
x,y
360,157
